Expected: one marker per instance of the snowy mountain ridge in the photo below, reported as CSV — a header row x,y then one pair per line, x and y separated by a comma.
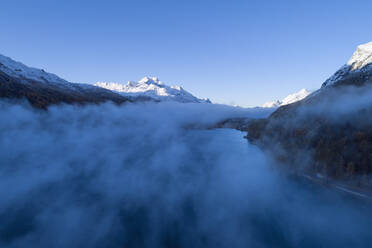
x,y
21,71
295,97
42,89
360,61
361,57
147,89
153,88
25,73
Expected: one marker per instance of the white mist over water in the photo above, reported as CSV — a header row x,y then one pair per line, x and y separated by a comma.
x,y
138,176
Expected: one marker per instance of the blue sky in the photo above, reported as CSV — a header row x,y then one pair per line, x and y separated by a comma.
x,y
234,52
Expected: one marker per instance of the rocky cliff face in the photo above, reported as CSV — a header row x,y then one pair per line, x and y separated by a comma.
x,y
329,133
42,89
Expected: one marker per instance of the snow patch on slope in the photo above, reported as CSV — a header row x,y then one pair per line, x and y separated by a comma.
x,y
152,87
295,97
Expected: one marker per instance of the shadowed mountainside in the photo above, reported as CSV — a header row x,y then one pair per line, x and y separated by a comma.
x,y
309,136
41,94
329,133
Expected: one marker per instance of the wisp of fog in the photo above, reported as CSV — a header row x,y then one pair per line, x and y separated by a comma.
x,y
151,175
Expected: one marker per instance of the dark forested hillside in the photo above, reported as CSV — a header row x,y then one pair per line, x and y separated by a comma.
x,y
41,94
329,133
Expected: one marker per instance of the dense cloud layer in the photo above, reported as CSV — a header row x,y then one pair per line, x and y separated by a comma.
x,y
339,104
139,176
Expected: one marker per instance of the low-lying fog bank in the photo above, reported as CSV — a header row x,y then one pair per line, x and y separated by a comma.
x,y
134,176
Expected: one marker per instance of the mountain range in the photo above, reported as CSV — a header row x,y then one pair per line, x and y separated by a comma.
x,y
41,89
326,133
152,88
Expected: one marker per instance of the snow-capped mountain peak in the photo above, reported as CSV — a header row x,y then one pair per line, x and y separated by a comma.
x,y
150,80
295,97
360,61
153,88
361,57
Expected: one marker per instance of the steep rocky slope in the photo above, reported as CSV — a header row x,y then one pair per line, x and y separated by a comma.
x,y
41,89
